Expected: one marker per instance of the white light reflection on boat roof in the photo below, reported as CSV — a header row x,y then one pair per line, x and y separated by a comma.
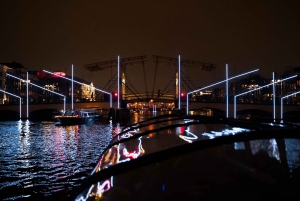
x,y
232,131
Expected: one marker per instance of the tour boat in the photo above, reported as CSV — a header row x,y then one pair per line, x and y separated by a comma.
x,y
82,116
197,158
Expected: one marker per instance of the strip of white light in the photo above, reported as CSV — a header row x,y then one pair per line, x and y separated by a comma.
x,y
187,95
258,89
41,88
226,90
27,95
72,90
281,102
14,96
82,84
179,75
274,96
118,82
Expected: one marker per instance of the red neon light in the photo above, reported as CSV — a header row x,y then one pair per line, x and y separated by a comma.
x,y
59,73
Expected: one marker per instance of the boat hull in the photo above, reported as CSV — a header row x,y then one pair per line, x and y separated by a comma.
x,y
76,120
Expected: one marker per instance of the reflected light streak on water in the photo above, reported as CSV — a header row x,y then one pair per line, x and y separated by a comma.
x,y
38,159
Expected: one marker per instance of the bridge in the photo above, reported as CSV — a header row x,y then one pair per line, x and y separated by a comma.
x,y
169,94
196,108
149,97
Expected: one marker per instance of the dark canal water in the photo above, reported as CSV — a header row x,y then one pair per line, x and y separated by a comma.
x,y
44,161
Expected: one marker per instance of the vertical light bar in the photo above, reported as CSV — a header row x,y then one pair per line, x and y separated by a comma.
x,y
33,85
226,90
179,75
221,82
187,103
281,110
110,101
234,106
27,95
266,86
64,103
274,95
14,96
72,89
282,101
118,82
20,109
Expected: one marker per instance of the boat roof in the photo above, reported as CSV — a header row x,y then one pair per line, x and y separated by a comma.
x,y
175,137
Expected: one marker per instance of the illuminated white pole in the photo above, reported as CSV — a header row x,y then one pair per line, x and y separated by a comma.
x,y
187,103
82,84
72,89
27,96
281,102
217,84
39,87
64,103
258,89
234,103
179,75
17,97
226,90
118,82
274,96
281,110
110,101
20,109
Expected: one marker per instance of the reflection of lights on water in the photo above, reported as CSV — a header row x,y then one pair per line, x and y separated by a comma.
x,y
101,188
126,135
96,192
134,154
180,130
188,138
232,131
81,198
112,156
239,146
268,145
117,129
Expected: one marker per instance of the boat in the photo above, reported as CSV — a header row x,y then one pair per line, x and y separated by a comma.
x,y
187,157
80,116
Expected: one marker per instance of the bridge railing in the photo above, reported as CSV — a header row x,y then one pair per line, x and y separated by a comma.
x,y
143,96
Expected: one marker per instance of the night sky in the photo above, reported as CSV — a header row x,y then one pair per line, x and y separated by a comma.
x,y
249,34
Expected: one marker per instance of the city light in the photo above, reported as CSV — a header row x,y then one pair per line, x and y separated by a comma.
x,y
274,96
41,88
258,89
281,103
27,108
72,90
14,96
118,82
83,84
226,90
179,104
187,95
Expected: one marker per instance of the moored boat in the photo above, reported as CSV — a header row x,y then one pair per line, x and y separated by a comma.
x,y
82,116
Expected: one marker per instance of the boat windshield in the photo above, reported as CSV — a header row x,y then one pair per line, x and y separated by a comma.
x,y
197,159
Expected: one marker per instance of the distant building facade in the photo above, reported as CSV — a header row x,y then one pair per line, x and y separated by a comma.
x,y
48,83
260,96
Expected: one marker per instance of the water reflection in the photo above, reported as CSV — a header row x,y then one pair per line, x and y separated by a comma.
x,y
40,158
